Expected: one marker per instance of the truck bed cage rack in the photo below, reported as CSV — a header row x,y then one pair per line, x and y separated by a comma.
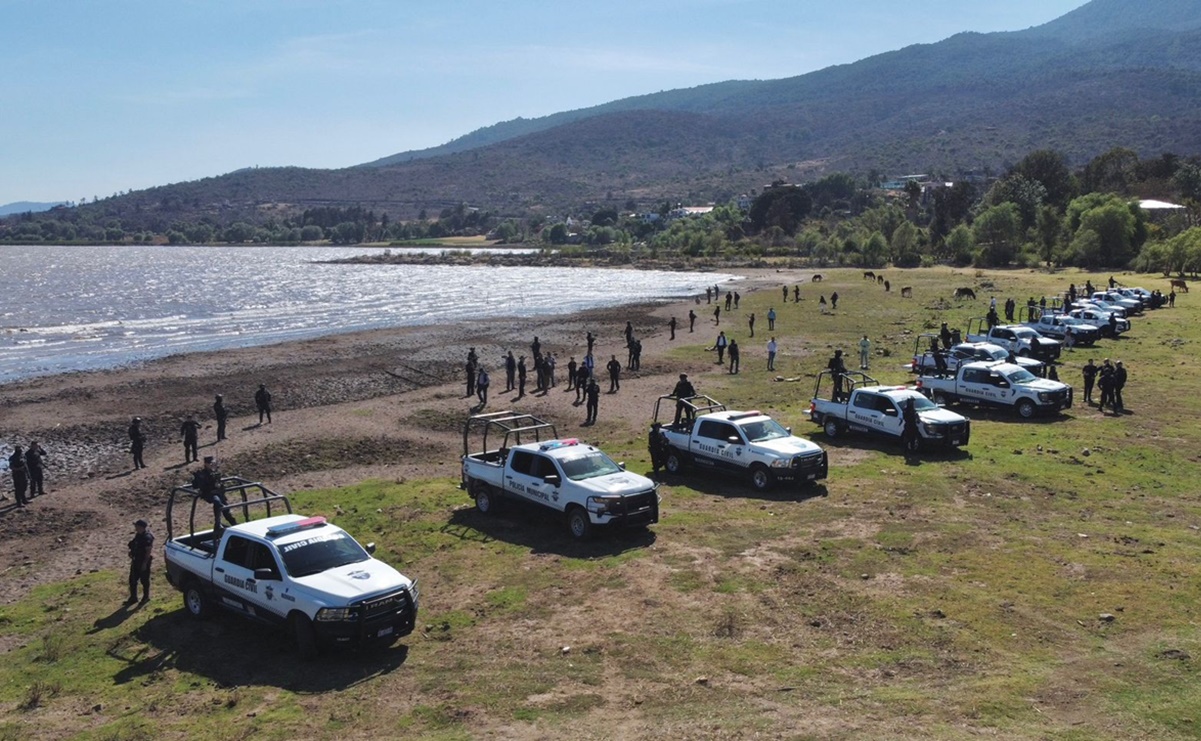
x,y
851,380
694,406
508,425
241,493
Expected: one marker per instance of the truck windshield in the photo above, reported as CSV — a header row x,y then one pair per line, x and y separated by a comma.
x,y
763,430
588,466
920,403
321,553
1021,376
995,353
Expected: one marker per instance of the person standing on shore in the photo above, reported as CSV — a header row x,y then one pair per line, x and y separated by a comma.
x,y
137,442
771,315
592,401
35,464
614,368
691,320
141,553
582,375
521,373
190,432
771,354
734,356
469,368
20,474
591,339
510,372
717,315
751,323
571,370
865,351
672,325
720,345
262,401
796,294
481,386
222,415
784,290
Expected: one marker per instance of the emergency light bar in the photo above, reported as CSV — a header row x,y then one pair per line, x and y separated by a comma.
x,y
292,527
559,444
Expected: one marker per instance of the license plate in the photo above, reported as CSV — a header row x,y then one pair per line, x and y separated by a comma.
x,y
954,441
384,632
811,476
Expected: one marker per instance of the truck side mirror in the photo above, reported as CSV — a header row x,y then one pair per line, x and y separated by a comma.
x,y
890,412
734,440
370,548
265,575
552,479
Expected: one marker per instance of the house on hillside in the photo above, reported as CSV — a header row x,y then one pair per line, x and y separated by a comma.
x,y
683,212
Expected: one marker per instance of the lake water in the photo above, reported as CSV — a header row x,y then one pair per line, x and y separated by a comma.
x,y
84,308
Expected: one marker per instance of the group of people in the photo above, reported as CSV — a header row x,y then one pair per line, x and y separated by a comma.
x,y
1110,379
189,430
27,467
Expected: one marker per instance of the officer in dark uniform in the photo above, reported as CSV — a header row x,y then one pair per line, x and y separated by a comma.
x,y
137,442
510,372
940,358
657,445
591,401
683,390
207,483
141,553
1090,376
1105,381
34,462
262,402
521,373
910,438
614,368
190,432
837,369
16,466
220,412
1119,382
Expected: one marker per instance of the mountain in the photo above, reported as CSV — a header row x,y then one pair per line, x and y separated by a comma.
x,y
1105,75
21,207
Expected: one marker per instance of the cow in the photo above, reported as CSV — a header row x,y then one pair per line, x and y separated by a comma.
x,y
907,292
1179,283
887,285
817,278
965,293
869,275
879,278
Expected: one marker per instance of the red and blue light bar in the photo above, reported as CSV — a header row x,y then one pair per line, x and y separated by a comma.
x,y
292,527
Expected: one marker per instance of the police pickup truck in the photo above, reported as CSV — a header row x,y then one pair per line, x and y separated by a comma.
x,y
530,463
966,352
1023,341
302,573
744,444
1056,325
998,384
877,410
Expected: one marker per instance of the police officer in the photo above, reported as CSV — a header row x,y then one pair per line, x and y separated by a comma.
x,y
657,445
1105,382
16,466
141,553
510,372
1119,382
735,355
35,463
910,438
1090,376
190,432
262,402
220,412
683,391
614,368
591,401
837,369
137,442
207,483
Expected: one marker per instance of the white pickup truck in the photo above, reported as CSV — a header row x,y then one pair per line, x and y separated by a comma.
x,y
1022,340
1056,326
998,384
744,444
966,352
877,410
302,573
564,475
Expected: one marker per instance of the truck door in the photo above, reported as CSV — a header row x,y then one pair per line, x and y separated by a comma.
x,y
713,447
234,579
525,476
863,413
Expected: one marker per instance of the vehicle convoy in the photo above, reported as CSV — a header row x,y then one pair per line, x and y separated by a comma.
x,y
563,475
748,444
1099,318
966,352
1056,326
1022,340
998,384
878,410
303,573
1131,305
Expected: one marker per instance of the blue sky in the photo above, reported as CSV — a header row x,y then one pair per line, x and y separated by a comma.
x,y
106,96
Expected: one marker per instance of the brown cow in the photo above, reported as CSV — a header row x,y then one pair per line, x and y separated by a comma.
x,y
907,292
1179,283
965,293
869,275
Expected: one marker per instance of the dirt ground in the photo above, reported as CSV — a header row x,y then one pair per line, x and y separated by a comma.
x,y
380,404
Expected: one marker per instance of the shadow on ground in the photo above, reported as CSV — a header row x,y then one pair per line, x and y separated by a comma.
x,y
543,531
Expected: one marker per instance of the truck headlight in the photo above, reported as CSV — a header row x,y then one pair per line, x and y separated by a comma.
x,y
1042,396
781,463
332,614
931,430
601,505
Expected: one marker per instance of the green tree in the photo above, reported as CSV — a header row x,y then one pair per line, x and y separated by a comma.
x,y
1112,172
1048,168
960,244
1047,227
997,232
558,233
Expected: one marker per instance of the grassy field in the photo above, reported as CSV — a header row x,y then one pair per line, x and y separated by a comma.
x,y
1040,584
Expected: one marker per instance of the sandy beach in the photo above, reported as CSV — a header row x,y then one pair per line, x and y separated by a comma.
x,y
381,404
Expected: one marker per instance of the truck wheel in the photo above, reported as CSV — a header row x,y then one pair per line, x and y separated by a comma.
x,y
675,464
940,398
483,499
832,429
1026,408
578,523
306,637
761,477
195,601
1023,353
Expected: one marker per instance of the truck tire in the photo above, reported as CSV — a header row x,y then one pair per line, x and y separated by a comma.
x,y
940,398
484,501
1026,408
761,477
675,462
832,428
305,636
578,523
195,600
